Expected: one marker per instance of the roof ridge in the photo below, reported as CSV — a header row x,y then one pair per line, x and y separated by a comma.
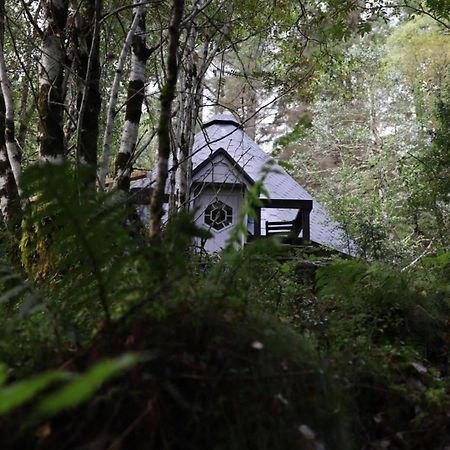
x,y
223,119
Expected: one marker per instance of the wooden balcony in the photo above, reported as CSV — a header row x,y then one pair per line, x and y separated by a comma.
x,y
289,231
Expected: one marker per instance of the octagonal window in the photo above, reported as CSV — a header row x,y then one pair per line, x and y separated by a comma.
x,y
218,215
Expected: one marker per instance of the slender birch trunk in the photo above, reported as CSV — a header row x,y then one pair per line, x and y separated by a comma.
x,y
23,114
135,99
9,198
173,185
87,64
111,113
50,101
27,109
164,142
70,100
14,154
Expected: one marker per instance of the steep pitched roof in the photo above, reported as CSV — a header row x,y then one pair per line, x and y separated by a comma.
x,y
225,132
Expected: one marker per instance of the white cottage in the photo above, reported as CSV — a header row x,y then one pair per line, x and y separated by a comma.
x,y
225,164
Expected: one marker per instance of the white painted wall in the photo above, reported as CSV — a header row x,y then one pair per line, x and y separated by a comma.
x,y
232,196
220,170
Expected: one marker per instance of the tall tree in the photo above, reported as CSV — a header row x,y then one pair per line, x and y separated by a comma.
x,y
87,64
112,103
135,99
164,140
9,198
50,102
10,164
205,39
12,148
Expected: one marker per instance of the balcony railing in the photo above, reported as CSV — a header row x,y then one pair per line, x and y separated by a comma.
x,y
289,230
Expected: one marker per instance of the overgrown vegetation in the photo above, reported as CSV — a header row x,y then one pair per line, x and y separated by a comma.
x,y
374,142
248,351
114,340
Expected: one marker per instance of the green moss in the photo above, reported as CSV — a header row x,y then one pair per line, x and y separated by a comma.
x,y
36,255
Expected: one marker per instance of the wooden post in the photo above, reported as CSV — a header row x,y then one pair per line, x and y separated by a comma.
x,y
305,224
257,231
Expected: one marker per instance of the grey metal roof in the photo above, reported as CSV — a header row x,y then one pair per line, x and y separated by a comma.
x,y
225,132
223,119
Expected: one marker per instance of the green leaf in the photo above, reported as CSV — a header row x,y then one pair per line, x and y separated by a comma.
x,y
82,388
17,393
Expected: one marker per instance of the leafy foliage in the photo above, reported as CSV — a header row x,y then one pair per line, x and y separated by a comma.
x,y
390,339
235,352
77,390
375,151
73,245
108,341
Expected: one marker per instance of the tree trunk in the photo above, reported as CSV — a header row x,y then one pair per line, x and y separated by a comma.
x,y
24,114
111,113
14,155
87,64
164,143
135,99
9,198
50,101
187,117
195,72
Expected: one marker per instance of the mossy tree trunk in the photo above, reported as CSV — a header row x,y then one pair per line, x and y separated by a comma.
x,y
50,101
88,71
135,99
164,141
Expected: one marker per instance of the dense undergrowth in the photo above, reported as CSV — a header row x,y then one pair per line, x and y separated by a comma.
x,y
108,342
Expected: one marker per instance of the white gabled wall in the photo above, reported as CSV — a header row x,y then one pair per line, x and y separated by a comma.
x,y
219,170
231,196
224,182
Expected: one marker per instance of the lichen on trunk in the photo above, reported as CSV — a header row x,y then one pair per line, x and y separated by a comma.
x,y
50,100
